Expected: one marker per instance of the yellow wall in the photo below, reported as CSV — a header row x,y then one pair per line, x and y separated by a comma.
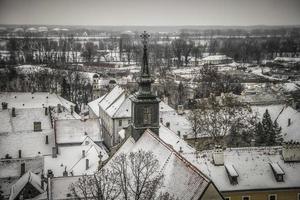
x,y
263,195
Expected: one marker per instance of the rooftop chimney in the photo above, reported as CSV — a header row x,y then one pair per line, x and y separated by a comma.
x,y
86,164
13,112
50,174
22,169
289,121
218,156
42,180
4,105
83,153
46,111
65,173
20,153
72,109
168,124
47,139
291,151
58,108
54,152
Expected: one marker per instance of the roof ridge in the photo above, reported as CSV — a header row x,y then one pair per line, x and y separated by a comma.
x,y
114,100
120,106
80,159
188,163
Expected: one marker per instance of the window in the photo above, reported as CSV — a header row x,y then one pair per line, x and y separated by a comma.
x,y
246,198
37,126
227,198
272,197
120,122
147,115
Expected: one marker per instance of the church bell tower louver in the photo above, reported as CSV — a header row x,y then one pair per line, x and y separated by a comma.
x,y
145,105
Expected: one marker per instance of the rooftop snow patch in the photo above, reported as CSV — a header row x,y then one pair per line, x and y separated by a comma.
x,y
253,167
33,100
71,159
75,130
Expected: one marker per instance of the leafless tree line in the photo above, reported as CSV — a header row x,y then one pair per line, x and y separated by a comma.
x,y
129,176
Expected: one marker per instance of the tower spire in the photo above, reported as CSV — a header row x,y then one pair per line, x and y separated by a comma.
x,y
145,79
145,105
145,67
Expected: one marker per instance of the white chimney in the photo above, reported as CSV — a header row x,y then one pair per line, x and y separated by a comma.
x,y
291,151
218,156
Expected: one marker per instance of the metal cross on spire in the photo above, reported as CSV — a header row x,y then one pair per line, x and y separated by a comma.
x,y
145,69
145,37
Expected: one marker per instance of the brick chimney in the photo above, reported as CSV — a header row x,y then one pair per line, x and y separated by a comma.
x,y
289,121
83,153
46,111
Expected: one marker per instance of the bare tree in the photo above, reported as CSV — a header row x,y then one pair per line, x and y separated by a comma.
x,y
128,176
216,116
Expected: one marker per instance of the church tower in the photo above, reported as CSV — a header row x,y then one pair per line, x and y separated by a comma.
x,y
145,105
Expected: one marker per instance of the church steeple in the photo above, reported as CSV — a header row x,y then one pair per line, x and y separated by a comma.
x,y
145,80
145,105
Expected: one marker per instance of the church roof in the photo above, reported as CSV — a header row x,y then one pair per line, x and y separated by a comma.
x,y
181,178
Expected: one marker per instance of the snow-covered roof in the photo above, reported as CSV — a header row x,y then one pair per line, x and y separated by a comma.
x,y
33,100
17,133
252,166
117,104
216,57
94,105
75,130
290,87
24,119
177,122
12,167
111,97
28,177
71,159
282,113
181,178
262,99
287,59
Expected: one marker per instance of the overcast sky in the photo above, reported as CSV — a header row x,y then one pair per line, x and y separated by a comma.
x,y
150,12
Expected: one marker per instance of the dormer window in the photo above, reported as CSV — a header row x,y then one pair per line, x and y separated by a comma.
x,y
37,126
232,174
277,171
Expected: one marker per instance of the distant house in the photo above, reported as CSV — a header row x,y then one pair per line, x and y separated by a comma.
x,y
217,60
